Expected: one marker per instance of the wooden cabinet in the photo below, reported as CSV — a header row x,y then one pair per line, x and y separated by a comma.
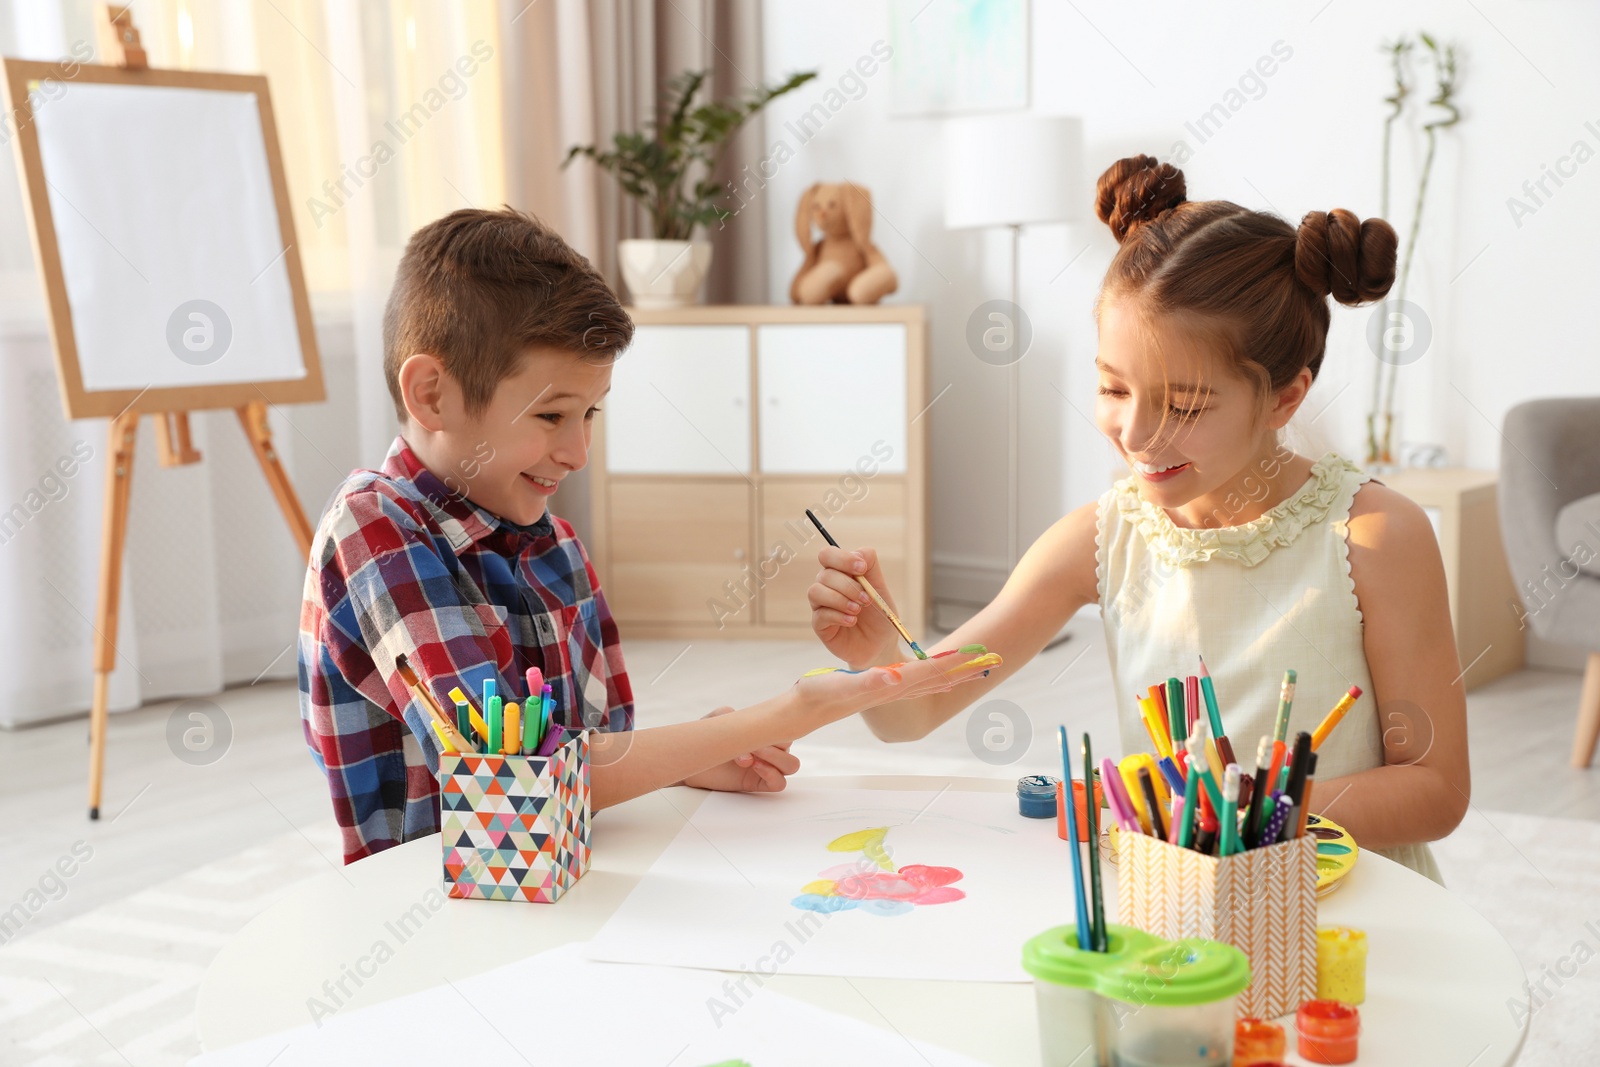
x,y
725,424
1462,505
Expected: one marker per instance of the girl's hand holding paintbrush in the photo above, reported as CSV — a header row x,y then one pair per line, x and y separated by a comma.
x,y
843,614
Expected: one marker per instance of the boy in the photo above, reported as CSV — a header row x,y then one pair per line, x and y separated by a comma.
x,y
498,346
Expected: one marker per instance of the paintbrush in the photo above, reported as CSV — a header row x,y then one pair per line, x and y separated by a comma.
x,y
883,605
446,729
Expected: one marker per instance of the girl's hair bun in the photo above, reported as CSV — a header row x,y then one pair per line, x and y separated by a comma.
x,y
1337,253
1136,190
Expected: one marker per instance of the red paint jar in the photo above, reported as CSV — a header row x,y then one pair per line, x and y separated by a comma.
x,y
1257,1043
1327,1031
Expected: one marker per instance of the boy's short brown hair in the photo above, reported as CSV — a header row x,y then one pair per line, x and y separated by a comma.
x,y
478,288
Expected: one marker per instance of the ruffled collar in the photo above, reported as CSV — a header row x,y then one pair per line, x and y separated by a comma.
x,y
1248,543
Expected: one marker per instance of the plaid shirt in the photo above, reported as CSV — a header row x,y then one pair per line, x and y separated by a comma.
x,y
400,564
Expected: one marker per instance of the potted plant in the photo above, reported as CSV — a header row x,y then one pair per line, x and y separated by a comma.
x,y
668,168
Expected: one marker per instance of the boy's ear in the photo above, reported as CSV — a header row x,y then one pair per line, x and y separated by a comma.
x,y
423,384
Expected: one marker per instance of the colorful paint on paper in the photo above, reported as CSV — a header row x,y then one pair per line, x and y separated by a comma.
x,y
873,883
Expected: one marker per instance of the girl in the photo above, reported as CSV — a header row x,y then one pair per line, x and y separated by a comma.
x,y
1222,542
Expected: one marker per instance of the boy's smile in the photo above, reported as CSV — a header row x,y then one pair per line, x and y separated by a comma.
x,y
510,458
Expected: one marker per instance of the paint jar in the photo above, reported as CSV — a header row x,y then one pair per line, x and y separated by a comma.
x,y
1173,1005
1327,1031
1341,964
1036,795
1081,813
1257,1043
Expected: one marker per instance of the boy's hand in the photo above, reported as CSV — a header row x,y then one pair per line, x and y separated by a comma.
x,y
765,770
850,624
839,693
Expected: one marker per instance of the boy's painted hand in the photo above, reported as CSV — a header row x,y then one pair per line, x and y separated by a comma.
x,y
838,692
842,615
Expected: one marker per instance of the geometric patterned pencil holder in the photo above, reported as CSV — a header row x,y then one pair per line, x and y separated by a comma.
x,y
515,827
1262,901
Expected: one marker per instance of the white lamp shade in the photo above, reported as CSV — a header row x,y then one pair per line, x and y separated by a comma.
x,y
1003,170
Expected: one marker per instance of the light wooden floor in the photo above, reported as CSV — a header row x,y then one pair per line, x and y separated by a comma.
x,y
161,817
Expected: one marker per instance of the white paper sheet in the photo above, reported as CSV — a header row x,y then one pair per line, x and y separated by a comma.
x,y
729,892
162,198
560,1008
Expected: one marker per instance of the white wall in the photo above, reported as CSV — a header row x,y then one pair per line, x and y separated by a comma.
x,y
1507,301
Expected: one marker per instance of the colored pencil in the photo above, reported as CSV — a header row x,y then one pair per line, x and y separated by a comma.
x,y
1208,689
1169,771
1150,713
1285,701
1191,700
1332,719
1085,931
1175,712
883,605
1097,907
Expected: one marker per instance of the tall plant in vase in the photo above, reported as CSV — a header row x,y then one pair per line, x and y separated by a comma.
x,y
1442,60
668,169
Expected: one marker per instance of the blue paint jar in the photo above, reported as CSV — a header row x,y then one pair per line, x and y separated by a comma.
x,y
1036,796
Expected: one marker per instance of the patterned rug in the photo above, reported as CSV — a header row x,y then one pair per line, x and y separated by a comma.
x,y
116,986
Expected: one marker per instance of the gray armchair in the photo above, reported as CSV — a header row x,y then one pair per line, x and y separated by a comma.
x,y
1550,522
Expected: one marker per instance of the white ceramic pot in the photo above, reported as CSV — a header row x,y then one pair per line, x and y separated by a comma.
x,y
664,274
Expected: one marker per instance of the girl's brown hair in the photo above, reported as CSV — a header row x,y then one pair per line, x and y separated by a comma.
x,y
1256,283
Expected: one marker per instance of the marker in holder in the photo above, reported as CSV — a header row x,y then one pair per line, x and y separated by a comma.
x,y
515,827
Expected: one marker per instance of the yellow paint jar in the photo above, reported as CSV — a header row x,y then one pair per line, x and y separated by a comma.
x,y
1341,964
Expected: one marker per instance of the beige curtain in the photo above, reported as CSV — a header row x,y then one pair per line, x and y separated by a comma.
x,y
578,72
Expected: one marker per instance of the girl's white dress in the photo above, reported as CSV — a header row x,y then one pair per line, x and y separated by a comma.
x,y
1255,599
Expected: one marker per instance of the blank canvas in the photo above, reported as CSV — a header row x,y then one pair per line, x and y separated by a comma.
x,y
162,196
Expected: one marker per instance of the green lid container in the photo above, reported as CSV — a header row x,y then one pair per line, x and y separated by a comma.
x,y
1138,968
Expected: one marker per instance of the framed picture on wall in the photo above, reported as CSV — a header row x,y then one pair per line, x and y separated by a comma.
x,y
957,56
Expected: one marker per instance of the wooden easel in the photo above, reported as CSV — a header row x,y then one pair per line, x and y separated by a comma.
x,y
127,63
172,439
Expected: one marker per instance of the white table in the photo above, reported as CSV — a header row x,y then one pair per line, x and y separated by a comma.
x,y
1439,977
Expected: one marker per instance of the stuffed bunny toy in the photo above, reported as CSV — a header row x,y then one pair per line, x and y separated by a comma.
x,y
844,267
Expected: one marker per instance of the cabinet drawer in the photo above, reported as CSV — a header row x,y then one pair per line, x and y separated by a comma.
x,y
675,543
858,512
680,402
830,395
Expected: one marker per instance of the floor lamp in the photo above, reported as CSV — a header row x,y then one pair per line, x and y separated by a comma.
x,y
1013,170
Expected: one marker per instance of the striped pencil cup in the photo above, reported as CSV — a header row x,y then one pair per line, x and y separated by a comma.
x,y
1263,902
515,827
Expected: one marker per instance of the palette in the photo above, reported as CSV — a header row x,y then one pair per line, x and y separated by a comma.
x,y
1336,852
